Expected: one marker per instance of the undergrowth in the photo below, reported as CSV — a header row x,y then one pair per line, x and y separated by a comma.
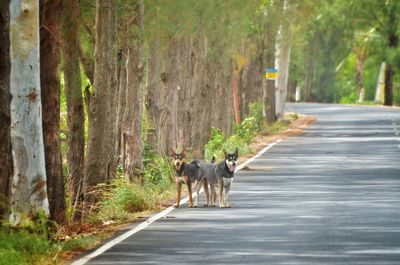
x,y
244,133
123,201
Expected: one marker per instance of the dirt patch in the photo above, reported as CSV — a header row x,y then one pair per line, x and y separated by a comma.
x,y
295,129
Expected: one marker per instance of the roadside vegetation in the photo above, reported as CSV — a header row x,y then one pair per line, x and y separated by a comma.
x,y
122,202
119,83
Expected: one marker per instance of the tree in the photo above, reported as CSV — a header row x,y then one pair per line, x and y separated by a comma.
x,y
73,93
132,122
5,139
50,60
100,153
28,194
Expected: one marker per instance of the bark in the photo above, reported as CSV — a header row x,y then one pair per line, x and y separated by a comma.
x,y
29,189
169,98
100,160
153,100
392,41
186,87
389,74
73,94
5,98
309,75
132,128
359,74
121,102
50,59
200,100
235,90
87,64
269,85
283,50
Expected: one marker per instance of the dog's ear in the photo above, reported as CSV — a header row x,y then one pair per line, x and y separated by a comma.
x,y
213,160
171,152
225,153
237,152
183,152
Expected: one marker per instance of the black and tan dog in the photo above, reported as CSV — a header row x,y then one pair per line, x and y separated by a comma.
x,y
188,174
221,176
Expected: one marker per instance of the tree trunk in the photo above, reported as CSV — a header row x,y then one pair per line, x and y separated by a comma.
x,y
153,100
132,127
392,41
359,74
169,98
235,90
309,75
389,74
5,98
269,85
73,94
200,99
100,160
29,188
283,49
50,58
121,102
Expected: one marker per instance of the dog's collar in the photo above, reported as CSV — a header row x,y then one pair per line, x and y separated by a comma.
x,y
224,171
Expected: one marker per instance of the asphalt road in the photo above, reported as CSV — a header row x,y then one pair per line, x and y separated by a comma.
x,y
330,196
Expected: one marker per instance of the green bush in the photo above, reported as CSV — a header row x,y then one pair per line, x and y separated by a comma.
x,y
247,129
25,247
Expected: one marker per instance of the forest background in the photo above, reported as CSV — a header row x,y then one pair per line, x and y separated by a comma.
x,y
123,82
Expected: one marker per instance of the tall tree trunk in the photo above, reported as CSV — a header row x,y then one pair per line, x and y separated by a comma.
x,y
200,99
389,74
132,130
5,98
309,75
153,100
283,49
269,99
121,101
50,58
29,189
73,94
169,98
359,74
100,160
393,42
235,90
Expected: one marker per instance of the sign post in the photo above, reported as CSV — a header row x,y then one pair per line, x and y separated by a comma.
x,y
271,74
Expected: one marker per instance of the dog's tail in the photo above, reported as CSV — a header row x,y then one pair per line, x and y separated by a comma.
x,y
196,162
213,159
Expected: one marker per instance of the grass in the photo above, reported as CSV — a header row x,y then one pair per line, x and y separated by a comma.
x,y
122,202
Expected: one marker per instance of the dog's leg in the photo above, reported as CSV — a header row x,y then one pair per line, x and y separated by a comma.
x,y
213,195
221,199
205,186
189,186
178,195
226,199
198,187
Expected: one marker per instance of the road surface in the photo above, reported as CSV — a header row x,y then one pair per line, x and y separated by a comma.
x,y
329,196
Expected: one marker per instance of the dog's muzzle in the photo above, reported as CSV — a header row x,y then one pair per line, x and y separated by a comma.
x,y
232,166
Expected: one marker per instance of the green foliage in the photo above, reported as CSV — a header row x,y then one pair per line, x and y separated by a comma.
x,y
24,247
121,198
243,134
280,126
247,129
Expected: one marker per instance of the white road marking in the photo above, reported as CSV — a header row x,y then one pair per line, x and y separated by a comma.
x,y
154,218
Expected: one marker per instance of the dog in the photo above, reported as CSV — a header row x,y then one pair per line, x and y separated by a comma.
x,y
188,174
221,176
